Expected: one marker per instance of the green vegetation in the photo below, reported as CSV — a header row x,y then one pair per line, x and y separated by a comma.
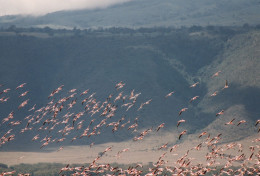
x,y
148,13
153,61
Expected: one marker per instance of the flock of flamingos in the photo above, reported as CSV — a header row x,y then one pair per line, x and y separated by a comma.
x,y
57,116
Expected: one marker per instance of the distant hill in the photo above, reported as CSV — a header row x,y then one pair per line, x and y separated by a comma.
x,y
152,61
148,13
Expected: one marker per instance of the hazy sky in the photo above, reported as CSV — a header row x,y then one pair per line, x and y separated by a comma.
x,y
40,7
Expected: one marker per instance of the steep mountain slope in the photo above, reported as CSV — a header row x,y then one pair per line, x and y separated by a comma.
x,y
239,65
151,61
144,13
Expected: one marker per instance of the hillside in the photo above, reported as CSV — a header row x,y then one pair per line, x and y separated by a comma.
x,y
148,13
153,61
239,65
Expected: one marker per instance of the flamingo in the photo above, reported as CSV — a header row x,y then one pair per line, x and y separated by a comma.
x,y
226,85
174,147
61,148
182,133
120,85
214,94
35,137
179,122
160,126
33,108
182,110
216,74
194,85
194,98
65,169
163,146
72,90
5,91
131,95
84,92
230,122
23,104
169,94
241,121
20,86
202,134
220,113
23,94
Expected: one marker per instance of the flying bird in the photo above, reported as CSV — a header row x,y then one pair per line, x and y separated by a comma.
x,y
65,169
214,94
174,147
194,98
35,137
182,133
179,122
226,85
85,92
72,90
194,85
163,146
202,134
216,74
61,148
20,86
5,91
230,122
23,94
220,113
182,110
160,126
241,121
23,104
169,94
119,85
33,108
